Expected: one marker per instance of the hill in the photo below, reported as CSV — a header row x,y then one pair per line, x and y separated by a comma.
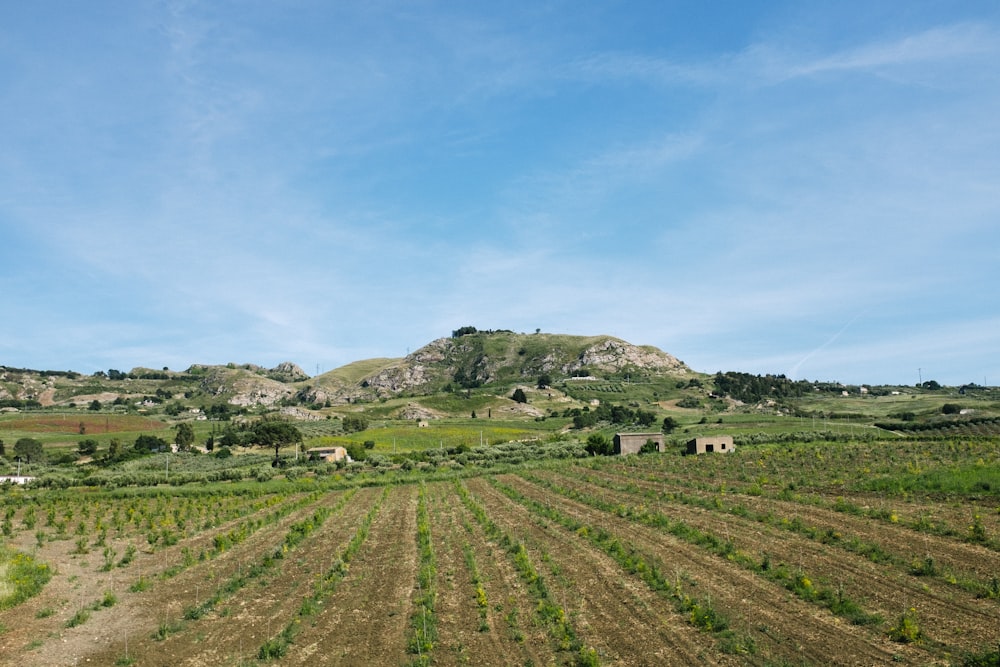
x,y
470,373
467,360
497,358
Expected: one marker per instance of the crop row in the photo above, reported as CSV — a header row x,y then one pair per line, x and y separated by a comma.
x,y
842,582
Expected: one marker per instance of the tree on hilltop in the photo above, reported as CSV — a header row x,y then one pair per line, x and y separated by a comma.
x,y
463,331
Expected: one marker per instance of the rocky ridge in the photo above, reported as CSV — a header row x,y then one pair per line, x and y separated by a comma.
x,y
460,362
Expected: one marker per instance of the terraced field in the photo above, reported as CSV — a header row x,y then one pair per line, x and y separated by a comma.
x,y
760,557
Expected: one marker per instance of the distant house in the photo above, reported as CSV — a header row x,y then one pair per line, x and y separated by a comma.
x,y
631,443
15,479
708,445
328,454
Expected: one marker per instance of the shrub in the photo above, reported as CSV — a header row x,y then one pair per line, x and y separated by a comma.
x,y
79,618
907,630
21,577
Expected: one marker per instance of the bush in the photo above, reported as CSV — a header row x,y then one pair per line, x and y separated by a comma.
x,y
356,451
907,630
599,444
354,423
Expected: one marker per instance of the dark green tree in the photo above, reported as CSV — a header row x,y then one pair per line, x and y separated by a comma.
x,y
669,424
519,396
276,433
95,405
354,423
544,380
463,331
599,444
645,417
145,444
185,436
29,450
356,451
231,438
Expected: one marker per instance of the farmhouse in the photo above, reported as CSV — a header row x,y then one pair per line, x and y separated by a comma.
x,y
328,454
707,445
631,443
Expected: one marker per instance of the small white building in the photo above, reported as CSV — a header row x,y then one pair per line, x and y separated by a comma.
x,y
15,479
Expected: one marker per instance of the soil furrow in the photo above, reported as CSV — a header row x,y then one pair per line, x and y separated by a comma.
x,y
366,619
783,627
619,616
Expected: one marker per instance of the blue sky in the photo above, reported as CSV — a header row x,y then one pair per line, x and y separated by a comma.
x,y
806,188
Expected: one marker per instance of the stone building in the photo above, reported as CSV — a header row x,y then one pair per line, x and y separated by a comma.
x,y
710,444
631,443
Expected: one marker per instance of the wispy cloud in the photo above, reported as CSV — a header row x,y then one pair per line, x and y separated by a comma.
x,y
340,181
936,45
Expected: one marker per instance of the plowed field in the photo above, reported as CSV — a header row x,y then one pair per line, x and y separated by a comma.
x,y
601,562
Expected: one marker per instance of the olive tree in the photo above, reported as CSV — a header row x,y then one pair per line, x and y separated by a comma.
x,y
28,449
276,433
185,436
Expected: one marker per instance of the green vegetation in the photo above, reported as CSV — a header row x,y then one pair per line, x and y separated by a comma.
x,y
423,622
21,577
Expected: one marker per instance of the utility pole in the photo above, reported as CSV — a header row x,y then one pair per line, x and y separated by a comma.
x,y
920,375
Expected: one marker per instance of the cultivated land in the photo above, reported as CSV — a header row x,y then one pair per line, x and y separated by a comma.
x,y
776,554
844,530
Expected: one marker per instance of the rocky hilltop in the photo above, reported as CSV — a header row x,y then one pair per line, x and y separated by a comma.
x,y
466,360
487,358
